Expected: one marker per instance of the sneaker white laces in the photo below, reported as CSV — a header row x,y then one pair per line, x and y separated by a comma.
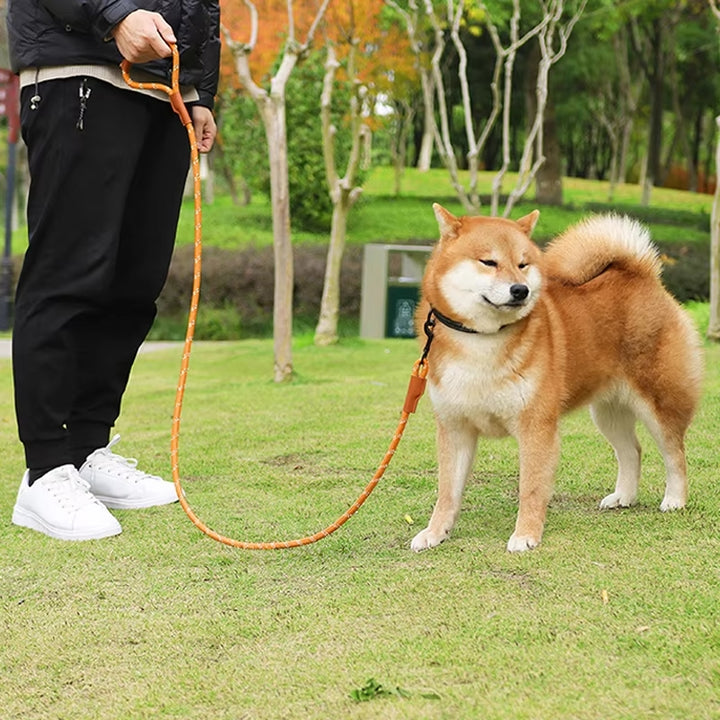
x,y
109,462
69,489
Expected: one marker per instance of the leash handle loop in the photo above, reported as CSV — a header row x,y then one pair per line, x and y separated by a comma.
x,y
172,90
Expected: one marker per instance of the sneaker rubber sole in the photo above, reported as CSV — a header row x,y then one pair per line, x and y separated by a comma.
x,y
27,519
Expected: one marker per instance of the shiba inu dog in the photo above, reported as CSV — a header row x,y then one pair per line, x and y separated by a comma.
x,y
522,336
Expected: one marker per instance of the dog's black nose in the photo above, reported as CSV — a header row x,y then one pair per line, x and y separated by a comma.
x,y
519,291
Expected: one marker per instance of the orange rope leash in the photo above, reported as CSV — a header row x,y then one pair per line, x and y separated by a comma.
x,y
417,379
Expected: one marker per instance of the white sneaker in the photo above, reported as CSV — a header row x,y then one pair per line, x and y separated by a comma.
x,y
60,505
117,483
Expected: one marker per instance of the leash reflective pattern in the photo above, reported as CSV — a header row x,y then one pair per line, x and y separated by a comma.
x,y
415,390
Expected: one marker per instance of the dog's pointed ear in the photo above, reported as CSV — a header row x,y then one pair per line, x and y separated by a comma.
x,y
447,222
528,222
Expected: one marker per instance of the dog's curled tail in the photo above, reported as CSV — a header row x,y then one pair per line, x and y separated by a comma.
x,y
587,249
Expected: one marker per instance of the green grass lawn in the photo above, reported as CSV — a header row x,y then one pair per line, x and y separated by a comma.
x,y
614,616
381,217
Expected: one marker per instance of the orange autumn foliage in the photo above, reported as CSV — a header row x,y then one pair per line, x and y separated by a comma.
x,y
383,52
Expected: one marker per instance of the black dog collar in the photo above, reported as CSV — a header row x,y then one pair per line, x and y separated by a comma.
x,y
453,324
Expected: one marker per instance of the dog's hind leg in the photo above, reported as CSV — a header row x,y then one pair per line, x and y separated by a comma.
x,y
671,442
456,452
676,487
616,422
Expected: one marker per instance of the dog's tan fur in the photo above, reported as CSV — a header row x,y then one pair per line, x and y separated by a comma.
x,y
596,327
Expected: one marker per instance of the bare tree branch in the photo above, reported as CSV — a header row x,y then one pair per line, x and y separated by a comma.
x,y
442,135
532,156
426,81
314,26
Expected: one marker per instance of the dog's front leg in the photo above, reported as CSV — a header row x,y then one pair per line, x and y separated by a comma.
x,y
539,442
457,444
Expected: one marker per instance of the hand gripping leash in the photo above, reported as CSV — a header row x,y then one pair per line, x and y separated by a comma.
x,y
417,379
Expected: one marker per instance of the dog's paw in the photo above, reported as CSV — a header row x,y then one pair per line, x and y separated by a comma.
x,y
521,543
616,500
672,503
427,539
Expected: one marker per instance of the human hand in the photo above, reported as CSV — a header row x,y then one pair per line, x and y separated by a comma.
x,y
204,126
143,36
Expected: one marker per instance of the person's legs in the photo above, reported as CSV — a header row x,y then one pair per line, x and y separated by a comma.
x,y
111,337
102,216
79,180
102,212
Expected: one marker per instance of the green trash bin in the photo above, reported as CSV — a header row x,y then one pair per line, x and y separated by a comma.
x,y
391,280
402,299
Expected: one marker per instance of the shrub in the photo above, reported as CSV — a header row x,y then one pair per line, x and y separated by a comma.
x,y
236,293
686,270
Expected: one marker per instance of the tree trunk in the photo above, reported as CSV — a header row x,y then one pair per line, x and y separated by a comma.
x,y
625,149
714,326
657,81
404,116
343,191
426,147
629,91
275,128
411,16
693,170
548,180
548,31
326,331
271,106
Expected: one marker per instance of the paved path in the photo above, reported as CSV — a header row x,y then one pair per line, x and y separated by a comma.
x,y
6,346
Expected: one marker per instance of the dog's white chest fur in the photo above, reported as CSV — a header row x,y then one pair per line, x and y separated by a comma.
x,y
474,386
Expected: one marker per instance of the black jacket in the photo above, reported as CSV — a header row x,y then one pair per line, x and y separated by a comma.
x,y
47,33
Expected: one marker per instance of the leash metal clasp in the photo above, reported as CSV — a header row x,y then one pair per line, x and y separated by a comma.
x,y
429,329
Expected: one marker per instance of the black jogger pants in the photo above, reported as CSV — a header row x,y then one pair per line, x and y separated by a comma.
x,y
105,193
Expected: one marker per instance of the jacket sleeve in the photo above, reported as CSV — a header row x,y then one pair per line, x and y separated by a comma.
x,y
208,85
98,16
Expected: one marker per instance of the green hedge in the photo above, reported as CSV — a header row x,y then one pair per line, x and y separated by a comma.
x,y
236,293
686,270
236,296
